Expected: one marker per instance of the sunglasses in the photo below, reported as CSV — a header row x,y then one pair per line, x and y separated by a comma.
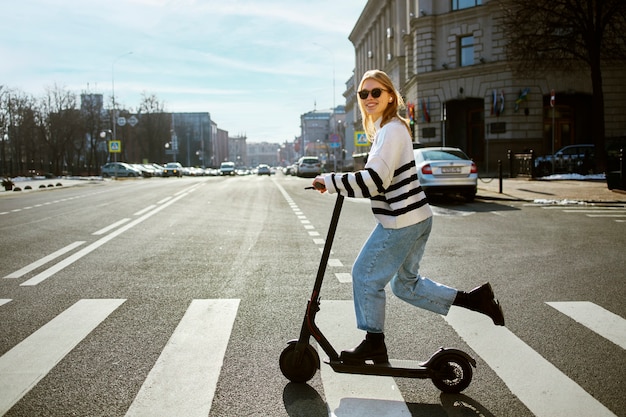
x,y
376,92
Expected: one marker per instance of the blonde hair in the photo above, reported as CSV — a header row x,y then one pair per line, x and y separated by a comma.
x,y
390,111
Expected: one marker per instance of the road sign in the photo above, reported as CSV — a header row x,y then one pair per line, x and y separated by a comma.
x,y
132,121
360,139
552,98
334,145
115,146
121,121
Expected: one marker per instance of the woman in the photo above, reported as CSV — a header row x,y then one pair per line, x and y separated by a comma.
x,y
394,249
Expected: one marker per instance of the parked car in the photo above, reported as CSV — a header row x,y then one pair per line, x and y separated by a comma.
x,y
146,171
289,170
308,166
571,159
264,169
173,169
158,169
446,170
119,169
227,168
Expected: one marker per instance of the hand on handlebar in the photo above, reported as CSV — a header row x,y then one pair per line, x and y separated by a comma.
x,y
319,184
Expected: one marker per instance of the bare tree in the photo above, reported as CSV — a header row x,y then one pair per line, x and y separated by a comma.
x,y
60,127
561,35
154,128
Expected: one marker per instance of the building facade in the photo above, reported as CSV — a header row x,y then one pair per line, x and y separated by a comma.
x,y
448,59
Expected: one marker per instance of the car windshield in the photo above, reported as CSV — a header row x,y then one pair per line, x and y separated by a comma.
x,y
443,155
172,165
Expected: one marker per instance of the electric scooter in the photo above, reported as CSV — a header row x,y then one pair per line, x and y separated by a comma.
x,y
449,369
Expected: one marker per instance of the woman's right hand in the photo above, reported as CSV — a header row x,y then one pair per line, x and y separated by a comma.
x,y
319,184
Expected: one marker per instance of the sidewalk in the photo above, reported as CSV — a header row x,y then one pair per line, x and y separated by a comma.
x,y
549,190
37,183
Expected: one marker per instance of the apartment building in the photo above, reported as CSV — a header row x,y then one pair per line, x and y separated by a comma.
x,y
448,58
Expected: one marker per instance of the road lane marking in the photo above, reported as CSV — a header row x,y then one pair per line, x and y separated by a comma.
x,y
335,262
343,277
95,245
110,227
354,395
184,378
142,211
22,367
4,301
44,260
605,323
541,386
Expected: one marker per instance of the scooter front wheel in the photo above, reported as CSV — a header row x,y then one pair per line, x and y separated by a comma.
x,y
299,369
451,373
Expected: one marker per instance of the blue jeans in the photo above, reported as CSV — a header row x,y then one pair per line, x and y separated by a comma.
x,y
394,255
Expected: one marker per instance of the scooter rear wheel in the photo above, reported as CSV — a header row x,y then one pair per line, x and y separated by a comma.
x,y
299,370
451,373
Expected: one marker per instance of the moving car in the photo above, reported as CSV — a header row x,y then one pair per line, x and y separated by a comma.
x,y
308,166
264,169
227,168
173,169
571,159
446,170
119,169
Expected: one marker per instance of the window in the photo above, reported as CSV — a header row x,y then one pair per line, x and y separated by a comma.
x,y
466,50
465,4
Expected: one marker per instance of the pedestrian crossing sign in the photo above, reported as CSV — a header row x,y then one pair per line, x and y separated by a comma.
x,y
115,146
360,139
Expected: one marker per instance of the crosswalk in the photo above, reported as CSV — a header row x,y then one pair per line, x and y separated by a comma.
x,y
184,378
617,213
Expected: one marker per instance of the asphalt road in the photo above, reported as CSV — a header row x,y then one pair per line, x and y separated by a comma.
x,y
175,297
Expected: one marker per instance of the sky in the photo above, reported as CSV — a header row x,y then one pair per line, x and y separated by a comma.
x,y
255,65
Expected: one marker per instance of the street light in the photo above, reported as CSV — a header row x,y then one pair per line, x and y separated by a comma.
x,y
103,135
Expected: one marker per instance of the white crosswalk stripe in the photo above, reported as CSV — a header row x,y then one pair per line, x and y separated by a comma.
x,y
606,324
184,378
354,395
29,361
517,364
617,213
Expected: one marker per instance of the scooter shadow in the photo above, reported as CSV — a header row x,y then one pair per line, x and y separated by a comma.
x,y
302,400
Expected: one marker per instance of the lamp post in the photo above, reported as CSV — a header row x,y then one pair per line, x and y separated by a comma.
x,y
103,135
114,118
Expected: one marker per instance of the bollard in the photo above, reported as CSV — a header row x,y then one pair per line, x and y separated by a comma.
x,y
500,175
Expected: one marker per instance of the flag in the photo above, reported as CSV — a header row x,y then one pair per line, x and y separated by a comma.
x,y
411,108
494,103
425,111
523,96
500,109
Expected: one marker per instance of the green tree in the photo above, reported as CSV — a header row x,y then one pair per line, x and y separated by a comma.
x,y
561,35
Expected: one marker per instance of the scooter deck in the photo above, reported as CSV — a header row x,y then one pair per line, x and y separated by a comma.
x,y
398,368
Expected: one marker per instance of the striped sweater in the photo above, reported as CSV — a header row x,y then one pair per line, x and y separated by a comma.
x,y
389,179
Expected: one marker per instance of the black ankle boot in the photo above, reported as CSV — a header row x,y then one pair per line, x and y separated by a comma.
x,y
482,300
372,348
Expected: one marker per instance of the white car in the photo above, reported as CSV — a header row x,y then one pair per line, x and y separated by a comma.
x,y
446,170
308,166
227,168
119,169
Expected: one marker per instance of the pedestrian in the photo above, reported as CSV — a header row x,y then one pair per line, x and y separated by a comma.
x,y
394,249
